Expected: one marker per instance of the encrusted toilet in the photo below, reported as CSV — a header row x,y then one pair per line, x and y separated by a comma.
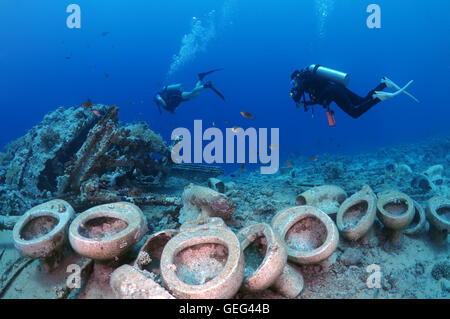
x,y
42,231
310,234
107,231
204,260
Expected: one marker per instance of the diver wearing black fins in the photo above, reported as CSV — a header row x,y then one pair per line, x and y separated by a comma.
x,y
172,95
325,85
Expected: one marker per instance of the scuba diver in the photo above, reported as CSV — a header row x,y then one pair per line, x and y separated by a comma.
x,y
172,95
325,85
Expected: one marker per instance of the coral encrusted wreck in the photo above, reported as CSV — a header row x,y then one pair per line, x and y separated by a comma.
x,y
86,159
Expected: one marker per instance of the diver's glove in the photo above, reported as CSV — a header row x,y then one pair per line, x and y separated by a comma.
x,y
383,96
390,84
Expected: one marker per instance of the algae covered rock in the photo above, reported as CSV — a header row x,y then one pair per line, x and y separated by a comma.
x,y
352,256
31,163
73,149
441,270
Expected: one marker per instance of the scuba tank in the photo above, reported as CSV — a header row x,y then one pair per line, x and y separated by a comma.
x,y
330,74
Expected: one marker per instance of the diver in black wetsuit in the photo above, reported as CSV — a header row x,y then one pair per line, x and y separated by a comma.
x,y
325,86
171,96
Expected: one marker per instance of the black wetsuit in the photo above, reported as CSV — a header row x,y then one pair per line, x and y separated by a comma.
x,y
324,92
172,97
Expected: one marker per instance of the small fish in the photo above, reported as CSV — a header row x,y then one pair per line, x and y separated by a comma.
x,y
242,168
235,129
87,104
97,113
288,163
313,158
104,34
247,115
227,122
214,124
68,57
272,147
106,75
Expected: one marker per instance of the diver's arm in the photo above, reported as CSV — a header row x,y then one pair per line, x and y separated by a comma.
x,y
159,101
311,101
300,92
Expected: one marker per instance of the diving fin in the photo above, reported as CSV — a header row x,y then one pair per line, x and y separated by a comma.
x,y
209,85
383,96
390,84
201,76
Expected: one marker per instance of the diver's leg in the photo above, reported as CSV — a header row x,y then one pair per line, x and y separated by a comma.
x,y
194,93
358,105
365,104
380,87
344,98
362,108
354,98
354,105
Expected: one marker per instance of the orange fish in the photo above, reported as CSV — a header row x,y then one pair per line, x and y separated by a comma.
x,y
313,158
247,115
242,168
235,129
87,104
288,163
97,113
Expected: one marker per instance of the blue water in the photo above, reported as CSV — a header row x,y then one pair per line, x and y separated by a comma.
x,y
259,43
